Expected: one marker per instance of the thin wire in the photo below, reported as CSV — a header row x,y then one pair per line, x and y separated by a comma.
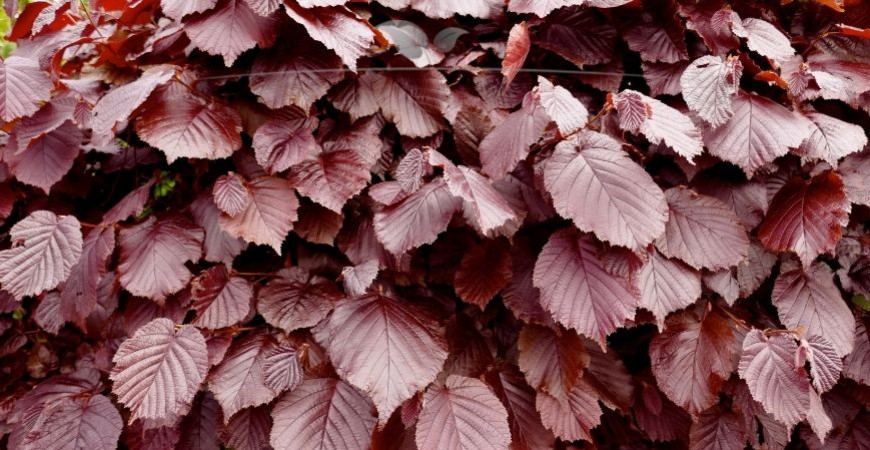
x,y
417,69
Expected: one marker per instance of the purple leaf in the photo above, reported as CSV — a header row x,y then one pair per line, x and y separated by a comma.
x,y
238,381
571,418
416,220
269,216
296,299
220,300
230,194
280,144
229,29
509,142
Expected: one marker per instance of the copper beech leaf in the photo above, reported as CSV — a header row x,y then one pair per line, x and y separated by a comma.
x,y
153,254
417,219
590,172
296,299
509,142
249,429
385,346
571,418
708,85
280,144
238,381
806,218
577,289
230,194
220,300
666,286
47,247
229,29
322,413
282,370
48,158
269,215
518,45
562,107
23,85
658,122
91,422
462,414
702,231
339,29
78,298
768,366
551,360
527,431
158,370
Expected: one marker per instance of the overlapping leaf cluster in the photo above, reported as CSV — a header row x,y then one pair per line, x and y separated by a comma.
x,y
583,224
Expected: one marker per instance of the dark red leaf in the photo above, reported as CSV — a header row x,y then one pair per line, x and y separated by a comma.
x,y
78,297
116,106
131,205
572,418
718,430
483,272
296,76
229,29
269,216
23,85
335,27
296,299
509,142
551,360
238,381
230,194
527,431
220,300
280,144
806,218
416,220
332,177
48,158
281,368
249,429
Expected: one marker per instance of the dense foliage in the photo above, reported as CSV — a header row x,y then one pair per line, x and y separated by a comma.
x,y
441,225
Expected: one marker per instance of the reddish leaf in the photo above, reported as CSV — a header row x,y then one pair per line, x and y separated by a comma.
x,y
219,246
702,231
759,131
323,413
248,429
415,102
333,177
462,414
578,291
48,158
518,45
667,286
269,216
357,279
551,360
184,126
47,314
219,299
298,75
447,8
708,85
569,113
764,38
46,249
295,299
337,28
230,194
483,272
806,218
808,298
856,365
718,430
854,170
78,297
832,139
520,295
659,417
573,418
509,142
131,205
527,431
657,42
659,123
90,422
116,106
386,347
317,224
158,370
416,220
481,202
229,29
540,8
411,170
238,381
663,78
590,172
153,254
201,425
768,366
281,368
280,144
825,363
49,118
23,85
578,35
176,9
693,357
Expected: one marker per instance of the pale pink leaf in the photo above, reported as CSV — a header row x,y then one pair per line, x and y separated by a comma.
x,y
116,106
295,299
410,171
158,370
323,413
47,159
339,29
809,299
708,85
759,131
702,231
462,414
825,363
571,418
220,300
90,422
540,8
230,194
768,366
562,107
269,216
664,125
280,144
832,139
229,29
46,247
667,286
590,172
282,370
153,254
764,38
238,381
176,9
578,291
23,85
509,142
357,279
416,220
387,347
